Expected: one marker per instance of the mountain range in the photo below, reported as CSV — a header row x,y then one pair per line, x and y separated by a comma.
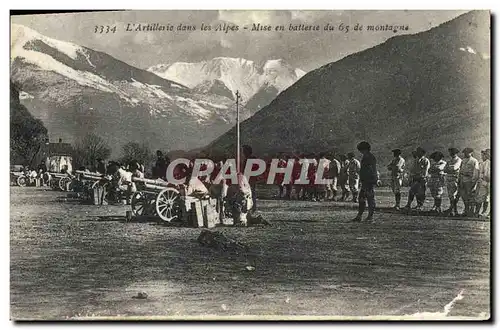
x,y
75,90
430,89
257,85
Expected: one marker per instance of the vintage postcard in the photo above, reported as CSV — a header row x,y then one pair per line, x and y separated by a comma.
x,y
250,165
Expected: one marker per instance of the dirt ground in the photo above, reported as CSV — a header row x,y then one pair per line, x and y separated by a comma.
x,y
80,261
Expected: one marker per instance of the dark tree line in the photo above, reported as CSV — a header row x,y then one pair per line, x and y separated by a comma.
x,y
27,134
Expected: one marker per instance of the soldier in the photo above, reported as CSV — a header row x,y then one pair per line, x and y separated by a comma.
x,y
344,177
420,171
483,186
101,166
452,171
160,169
369,178
353,175
467,180
323,189
333,174
396,168
437,179
240,199
121,180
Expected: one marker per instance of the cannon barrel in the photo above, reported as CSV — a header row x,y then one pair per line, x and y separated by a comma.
x,y
154,187
57,174
89,173
159,183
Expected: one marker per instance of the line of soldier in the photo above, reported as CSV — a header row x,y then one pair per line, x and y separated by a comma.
x,y
464,178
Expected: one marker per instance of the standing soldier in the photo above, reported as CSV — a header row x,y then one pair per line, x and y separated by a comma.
x,y
483,186
397,168
323,189
101,166
333,174
436,179
353,175
467,180
369,178
420,171
452,171
344,177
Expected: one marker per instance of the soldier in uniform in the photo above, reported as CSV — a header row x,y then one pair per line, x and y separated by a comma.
x,y
437,179
483,186
353,175
452,171
368,175
467,181
323,189
344,177
333,174
101,166
420,171
396,168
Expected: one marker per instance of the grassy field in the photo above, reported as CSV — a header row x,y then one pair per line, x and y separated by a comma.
x,y
80,261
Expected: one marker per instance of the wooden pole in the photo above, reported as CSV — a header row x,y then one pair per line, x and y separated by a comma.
x,y
237,132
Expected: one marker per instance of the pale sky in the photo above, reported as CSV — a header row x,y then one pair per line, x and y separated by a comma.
x,y
305,50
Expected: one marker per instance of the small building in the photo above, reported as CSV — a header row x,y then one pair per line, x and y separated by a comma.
x,y
57,155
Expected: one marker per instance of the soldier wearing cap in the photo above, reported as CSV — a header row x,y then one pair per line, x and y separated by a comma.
x,y
344,177
333,174
396,168
452,170
353,175
368,175
467,181
420,171
437,179
483,186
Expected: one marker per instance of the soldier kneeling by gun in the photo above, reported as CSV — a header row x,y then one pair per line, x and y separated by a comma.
x,y
239,199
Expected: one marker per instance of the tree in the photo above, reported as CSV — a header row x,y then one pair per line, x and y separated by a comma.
x,y
27,134
89,149
136,151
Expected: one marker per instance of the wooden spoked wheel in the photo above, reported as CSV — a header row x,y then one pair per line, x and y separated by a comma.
x,y
143,204
21,181
168,204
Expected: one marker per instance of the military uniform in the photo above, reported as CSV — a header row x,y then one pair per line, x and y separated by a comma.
x,y
344,179
396,168
452,170
483,187
368,175
437,182
333,174
240,199
467,181
419,173
353,170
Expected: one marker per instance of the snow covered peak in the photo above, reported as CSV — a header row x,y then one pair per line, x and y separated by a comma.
x,y
21,35
238,74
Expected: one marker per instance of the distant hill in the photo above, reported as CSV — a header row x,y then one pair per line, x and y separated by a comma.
x,y
430,89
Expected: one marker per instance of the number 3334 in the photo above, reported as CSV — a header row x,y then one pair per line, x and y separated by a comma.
x,y
104,29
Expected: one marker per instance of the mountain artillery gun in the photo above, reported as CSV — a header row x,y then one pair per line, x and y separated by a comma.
x,y
91,187
168,202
